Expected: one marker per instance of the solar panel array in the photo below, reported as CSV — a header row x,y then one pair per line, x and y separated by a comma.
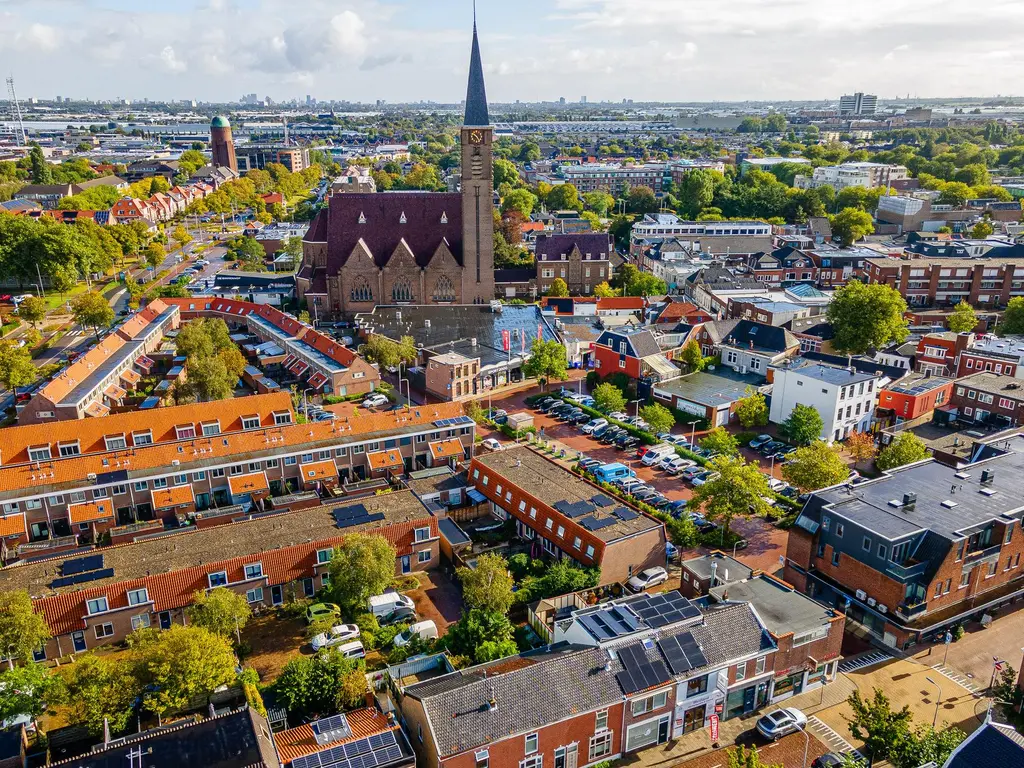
x,y
333,728
357,514
596,523
378,750
682,652
602,501
81,578
572,510
457,421
609,623
638,673
625,513
81,565
664,609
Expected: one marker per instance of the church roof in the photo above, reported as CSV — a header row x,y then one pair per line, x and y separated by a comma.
x,y
383,219
476,94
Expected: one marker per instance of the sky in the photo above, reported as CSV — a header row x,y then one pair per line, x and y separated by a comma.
x,y
533,50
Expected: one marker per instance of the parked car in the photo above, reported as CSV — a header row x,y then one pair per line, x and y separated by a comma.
x,y
705,477
658,501
425,630
781,722
790,492
629,482
650,577
401,615
775,484
835,760
671,553
580,418
543,402
676,508
627,442
643,493
703,524
320,611
769,448
374,401
498,416
352,650
618,416
691,472
385,603
588,464
336,635
598,433
758,441
492,445
593,424
608,436
674,464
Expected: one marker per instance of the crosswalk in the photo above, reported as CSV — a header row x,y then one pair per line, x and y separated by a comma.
x,y
827,734
863,660
956,677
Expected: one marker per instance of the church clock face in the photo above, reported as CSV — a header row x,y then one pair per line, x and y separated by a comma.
x,y
476,137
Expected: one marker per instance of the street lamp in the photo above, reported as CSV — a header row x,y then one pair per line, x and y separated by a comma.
x,y
807,743
738,542
938,700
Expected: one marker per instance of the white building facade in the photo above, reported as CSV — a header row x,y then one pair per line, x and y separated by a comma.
x,y
844,397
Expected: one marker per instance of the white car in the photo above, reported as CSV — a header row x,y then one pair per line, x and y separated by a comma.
x,y
651,577
618,416
336,635
374,401
492,445
675,464
775,484
593,424
781,722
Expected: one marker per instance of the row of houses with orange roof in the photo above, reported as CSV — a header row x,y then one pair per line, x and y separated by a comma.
x,y
163,206
74,482
325,364
100,379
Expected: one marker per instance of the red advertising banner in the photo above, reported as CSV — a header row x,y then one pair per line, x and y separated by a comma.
x,y
540,333
714,728
505,341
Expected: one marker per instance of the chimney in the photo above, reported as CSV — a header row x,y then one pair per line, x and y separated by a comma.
x,y
714,571
492,704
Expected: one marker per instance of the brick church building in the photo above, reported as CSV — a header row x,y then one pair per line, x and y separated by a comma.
x,y
372,248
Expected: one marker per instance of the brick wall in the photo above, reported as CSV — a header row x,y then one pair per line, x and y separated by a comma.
x,y
788,658
1008,568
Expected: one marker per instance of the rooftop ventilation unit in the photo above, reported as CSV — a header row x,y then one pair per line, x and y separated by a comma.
x,y
987,476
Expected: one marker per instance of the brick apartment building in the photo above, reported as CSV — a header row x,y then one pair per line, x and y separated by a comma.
x,y
78,480
581,260
922,548
937,353
636,353
989,399
946,281
100,599
915,396
566,516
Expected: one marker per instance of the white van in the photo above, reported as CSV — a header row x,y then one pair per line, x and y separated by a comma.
x,y
382,605
656,453
353,650
425,630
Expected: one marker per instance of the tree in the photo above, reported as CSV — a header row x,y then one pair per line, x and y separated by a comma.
x,y
720,441
488,585
558,288
608,398
481,636
752,410
955,193
155,255
599,202
521,200
564,197
40,170
16,366
220,610
861,446
1013,317
696,191
32,310
98,690
604,291
658,417
737,491
815,466
505,172
850,225
692,356
866,317
876,724
905,448
741,757
181,236
361,566
547,361
926,746
183,663
25,691
803,426
321,684
962,319
91,309
214,362
641,200
982,229
22,630
637,283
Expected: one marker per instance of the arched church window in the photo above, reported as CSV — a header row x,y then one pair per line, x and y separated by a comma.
x,y
402,291
444,290
361,290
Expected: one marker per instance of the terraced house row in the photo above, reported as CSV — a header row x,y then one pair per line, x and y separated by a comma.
x,y
70,483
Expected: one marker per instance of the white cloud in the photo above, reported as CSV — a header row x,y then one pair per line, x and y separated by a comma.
x,y
170,60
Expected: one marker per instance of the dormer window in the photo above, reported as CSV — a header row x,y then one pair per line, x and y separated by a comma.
x,y
185,431
142,438
282,417
69,449
96,605
250,422
39,453
402,219
444,217
115,442
254,571
362,218
218,579
210,428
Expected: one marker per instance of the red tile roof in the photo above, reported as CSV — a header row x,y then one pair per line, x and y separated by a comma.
x,y
298,742
13,525
621,302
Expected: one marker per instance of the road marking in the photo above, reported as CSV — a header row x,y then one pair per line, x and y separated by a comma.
x,y
835,741
957,678
865,660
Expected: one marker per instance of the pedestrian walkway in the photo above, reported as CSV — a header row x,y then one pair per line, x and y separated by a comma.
x,y
957,677
835,742
862,661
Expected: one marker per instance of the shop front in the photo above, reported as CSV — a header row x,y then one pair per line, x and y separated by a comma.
x,y
744,700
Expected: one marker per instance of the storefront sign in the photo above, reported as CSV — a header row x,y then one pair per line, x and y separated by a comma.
x,y
714,727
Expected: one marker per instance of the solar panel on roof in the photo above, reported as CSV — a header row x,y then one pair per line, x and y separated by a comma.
x,y
625,513
596,524
81,565
601,500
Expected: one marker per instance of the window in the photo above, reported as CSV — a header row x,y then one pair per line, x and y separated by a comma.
x,y
198,476
483,759
255,595
422,534
549,523
290,461
138,596
531,744
159,482
56,499
104,630
181,479
423,556
1009,534
68,449
866,544
825,522
881,551
324,556
39,454
576,543
649,703
185,431
98,493
965,579
741,671
600,745
560,532
696,686
535,761
590,550
218,579
214,473
601,720
991,569
142,438
250,422
835,557
141,485
96,605
839,530
759,665
140,622
211,428
254,570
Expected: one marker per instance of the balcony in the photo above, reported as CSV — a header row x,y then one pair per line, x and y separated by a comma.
x,y
905,573
983,554
911,610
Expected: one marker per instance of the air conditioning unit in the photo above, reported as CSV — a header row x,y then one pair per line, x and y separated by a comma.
x,y
861,594
872,602
882,609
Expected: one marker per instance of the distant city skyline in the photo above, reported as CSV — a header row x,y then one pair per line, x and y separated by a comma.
x,y
540,50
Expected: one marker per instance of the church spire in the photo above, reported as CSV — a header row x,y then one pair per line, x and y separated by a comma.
x,y
476,94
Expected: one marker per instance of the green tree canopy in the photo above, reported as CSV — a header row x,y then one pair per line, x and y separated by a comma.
x,y
803,426
982,229
32,310
720,441
481,636
692,356
851,225
522,200
183,663
598,202
558,288
488,584
505,172
26,690
16,366
92,309
876,724
1013,318
815,466
361,566
641,200
866,317
22,630
737,491
905,448
322,684
608,397
547,361
97,688
658,417
219,610
962,319
564,197
752,410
